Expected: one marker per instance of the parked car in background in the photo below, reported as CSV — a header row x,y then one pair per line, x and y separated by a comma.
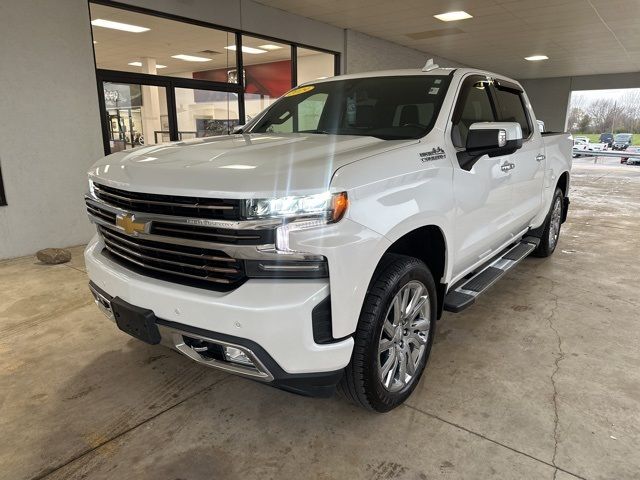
x,y
583,144
634,159
622,141
607,138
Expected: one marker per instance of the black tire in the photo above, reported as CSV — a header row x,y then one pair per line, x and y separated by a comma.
x,y
547,246
361,382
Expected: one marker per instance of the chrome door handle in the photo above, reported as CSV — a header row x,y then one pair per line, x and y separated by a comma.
x,y
540,157
505,167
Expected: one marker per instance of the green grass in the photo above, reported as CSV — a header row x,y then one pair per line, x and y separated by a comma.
x,y
595,137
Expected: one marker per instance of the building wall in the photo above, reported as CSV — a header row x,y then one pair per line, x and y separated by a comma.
x,y
365,53
50,123
550,96
49,94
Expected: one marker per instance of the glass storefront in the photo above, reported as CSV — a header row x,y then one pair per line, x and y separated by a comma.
x,y
164,79
136,115
163,47
204,113
314,65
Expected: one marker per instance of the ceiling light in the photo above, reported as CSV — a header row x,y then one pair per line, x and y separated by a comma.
x,y
99,22
269,47
251,50
190,58
536,58
238,166
453,16
139,64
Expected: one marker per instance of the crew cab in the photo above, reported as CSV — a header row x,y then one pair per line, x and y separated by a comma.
x,y
317,246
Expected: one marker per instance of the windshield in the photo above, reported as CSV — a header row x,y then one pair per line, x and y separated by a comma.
x,y
390,108
623,137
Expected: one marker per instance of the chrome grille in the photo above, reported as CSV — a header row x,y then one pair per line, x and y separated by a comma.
x,y
183,264
198,207
218,235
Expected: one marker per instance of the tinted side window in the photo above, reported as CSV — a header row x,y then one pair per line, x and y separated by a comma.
x,y
473,106
511,109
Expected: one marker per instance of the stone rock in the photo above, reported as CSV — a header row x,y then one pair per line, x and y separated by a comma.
x,y
54,256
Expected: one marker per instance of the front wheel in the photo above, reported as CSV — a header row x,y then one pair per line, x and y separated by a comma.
x,y
394,335
553,223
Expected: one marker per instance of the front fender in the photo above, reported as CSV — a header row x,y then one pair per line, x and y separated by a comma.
x,y
352,252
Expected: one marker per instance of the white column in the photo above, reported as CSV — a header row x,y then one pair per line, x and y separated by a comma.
x,y
150,105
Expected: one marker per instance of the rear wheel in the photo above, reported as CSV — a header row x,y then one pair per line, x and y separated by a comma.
x,y
551,232
394,336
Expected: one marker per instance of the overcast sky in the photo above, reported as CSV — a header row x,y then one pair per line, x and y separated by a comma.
x,y
591,95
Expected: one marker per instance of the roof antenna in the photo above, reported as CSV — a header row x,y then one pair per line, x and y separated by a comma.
x,y
430,66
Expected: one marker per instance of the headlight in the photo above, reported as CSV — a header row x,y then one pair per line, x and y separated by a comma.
x,y
329,207
298,213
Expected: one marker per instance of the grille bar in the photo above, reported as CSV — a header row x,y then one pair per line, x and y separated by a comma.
x,y
199,207
227,237
179,263
164,250
100,191
163,270
143,257
98,212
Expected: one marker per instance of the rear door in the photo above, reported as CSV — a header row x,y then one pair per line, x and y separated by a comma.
x,y
527,174
483,193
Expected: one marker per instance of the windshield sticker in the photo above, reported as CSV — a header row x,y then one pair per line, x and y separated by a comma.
x,y
298,91
436,153
434,90
437,81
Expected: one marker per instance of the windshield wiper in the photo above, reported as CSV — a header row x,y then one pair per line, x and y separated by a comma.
x,y
318,131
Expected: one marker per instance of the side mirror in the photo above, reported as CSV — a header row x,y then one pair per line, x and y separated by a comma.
x,y
493,138
237,129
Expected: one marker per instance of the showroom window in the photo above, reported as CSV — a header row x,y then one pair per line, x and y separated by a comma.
x,y
267,73
164,78
313,65
204,113
137,115
129,41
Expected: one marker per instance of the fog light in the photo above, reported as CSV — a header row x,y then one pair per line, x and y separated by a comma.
x,y
235,355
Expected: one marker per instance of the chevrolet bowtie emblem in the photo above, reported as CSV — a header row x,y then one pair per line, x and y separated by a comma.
x,y
129,225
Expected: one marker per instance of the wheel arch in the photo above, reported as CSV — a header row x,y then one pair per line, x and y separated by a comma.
x,y
429,244
563,183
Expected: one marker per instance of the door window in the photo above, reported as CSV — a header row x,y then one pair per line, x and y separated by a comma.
x,y
511,109
474,105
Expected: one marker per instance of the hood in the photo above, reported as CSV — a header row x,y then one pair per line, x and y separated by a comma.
x,y
239,166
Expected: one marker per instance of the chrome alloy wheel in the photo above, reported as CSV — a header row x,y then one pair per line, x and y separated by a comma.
x,y
404,336
554,224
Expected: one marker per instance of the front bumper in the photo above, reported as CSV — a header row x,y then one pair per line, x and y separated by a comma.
x,y
271,318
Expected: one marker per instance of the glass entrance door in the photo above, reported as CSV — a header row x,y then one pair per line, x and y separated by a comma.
x,y
135,114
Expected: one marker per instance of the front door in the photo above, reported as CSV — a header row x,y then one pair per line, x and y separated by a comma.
x,y
483,193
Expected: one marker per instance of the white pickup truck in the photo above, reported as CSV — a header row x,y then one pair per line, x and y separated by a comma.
x,y
317,246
